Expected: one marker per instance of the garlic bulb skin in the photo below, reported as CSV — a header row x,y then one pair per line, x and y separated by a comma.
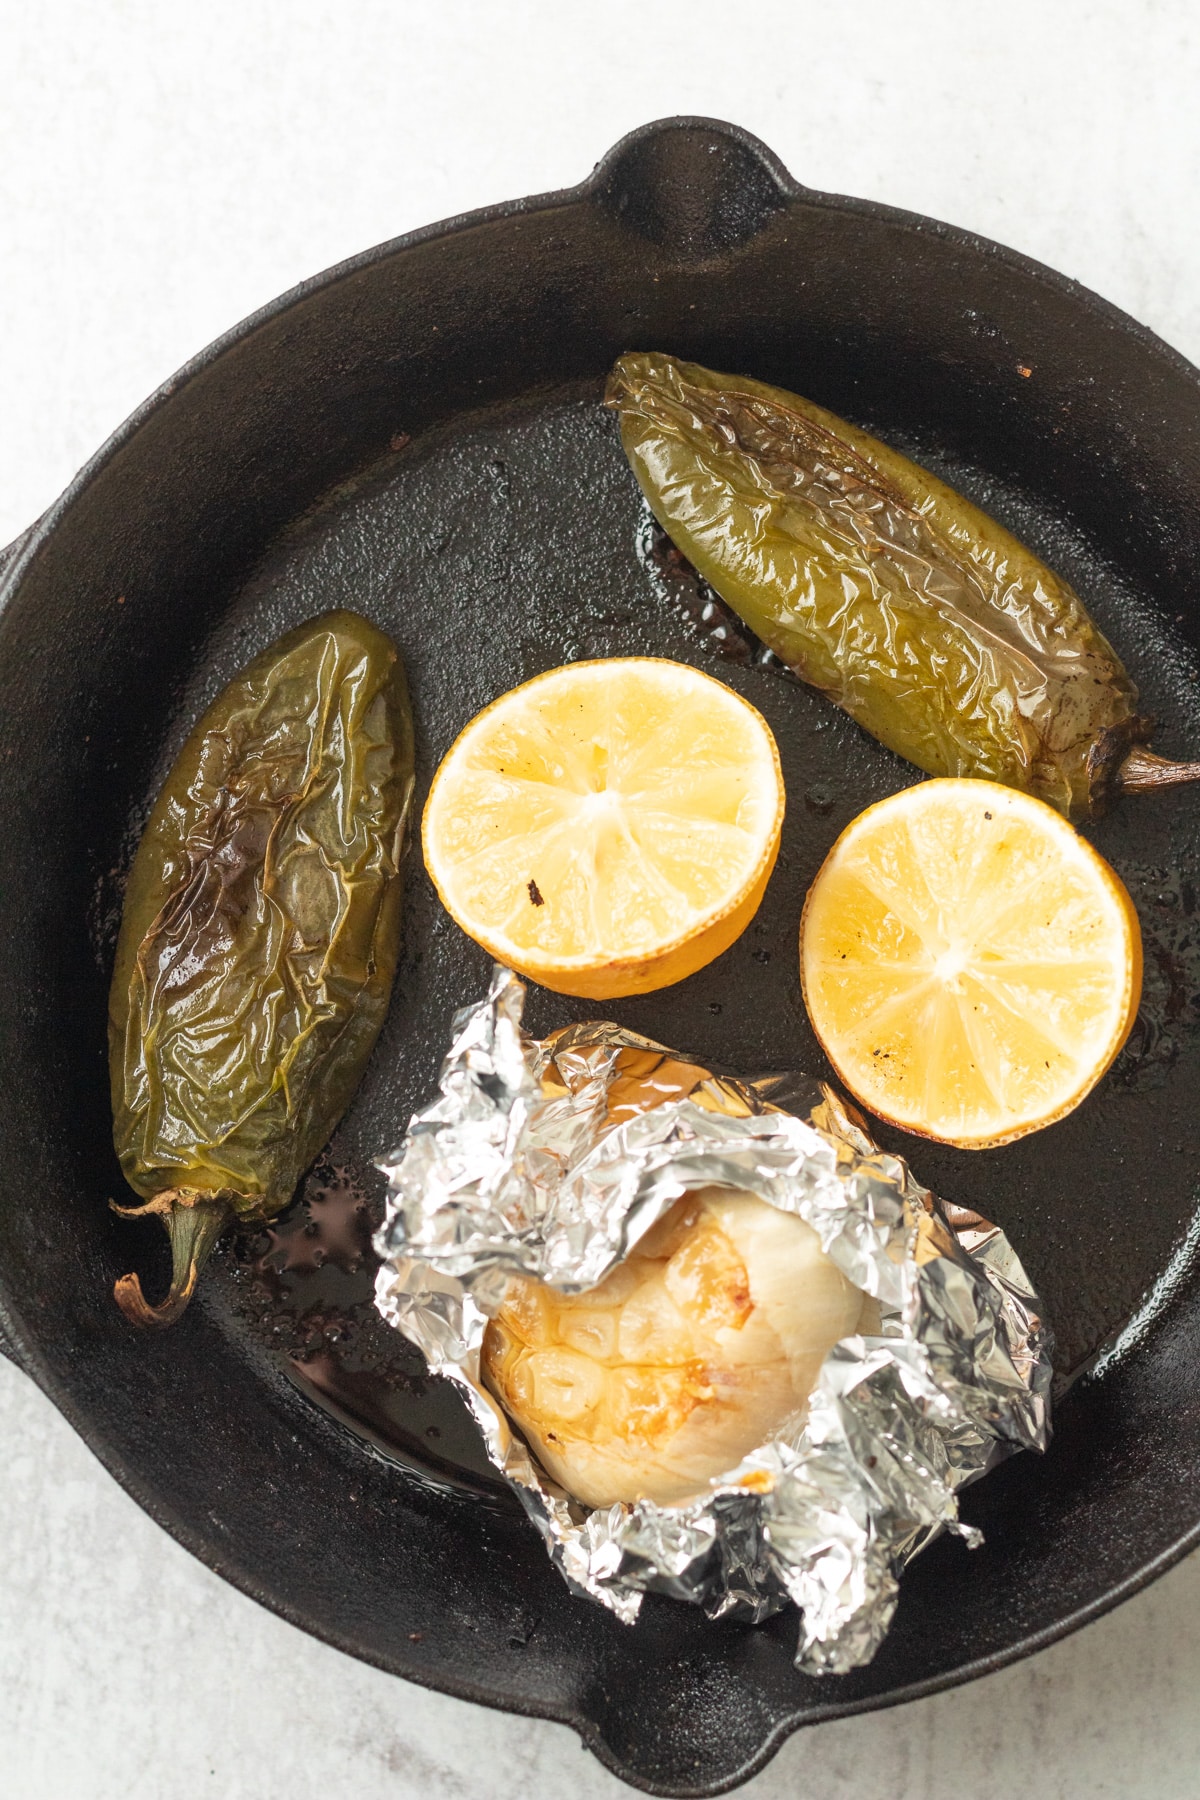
x,y
688,1355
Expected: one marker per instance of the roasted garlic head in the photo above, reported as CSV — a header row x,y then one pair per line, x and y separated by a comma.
x,y
691,1353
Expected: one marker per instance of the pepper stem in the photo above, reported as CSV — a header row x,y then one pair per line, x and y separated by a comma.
x,y
193,1222
1142,769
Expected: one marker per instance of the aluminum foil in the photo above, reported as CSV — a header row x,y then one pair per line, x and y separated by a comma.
x,y
552,1159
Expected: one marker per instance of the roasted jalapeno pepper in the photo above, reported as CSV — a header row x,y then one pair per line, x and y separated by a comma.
x,y
923,618
259,938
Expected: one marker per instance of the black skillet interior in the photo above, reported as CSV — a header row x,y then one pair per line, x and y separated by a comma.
x,y
419,436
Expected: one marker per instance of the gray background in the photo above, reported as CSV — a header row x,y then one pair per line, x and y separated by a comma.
x,y
164,169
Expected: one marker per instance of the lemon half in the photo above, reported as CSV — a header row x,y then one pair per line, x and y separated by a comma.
x,y
970,964
609,827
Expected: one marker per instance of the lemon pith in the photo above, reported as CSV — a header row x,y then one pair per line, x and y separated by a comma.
x,y
608,827
970,964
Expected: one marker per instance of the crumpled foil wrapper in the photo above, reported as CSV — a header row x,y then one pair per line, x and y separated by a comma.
x,y
552,1159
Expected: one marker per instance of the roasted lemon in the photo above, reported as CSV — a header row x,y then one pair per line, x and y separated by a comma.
x,y
608,827
970,964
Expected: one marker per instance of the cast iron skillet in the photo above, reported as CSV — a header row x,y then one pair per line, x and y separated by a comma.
x,y
418,434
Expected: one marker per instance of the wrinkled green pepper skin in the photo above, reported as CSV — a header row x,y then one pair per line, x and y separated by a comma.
x,y
920,616
260,935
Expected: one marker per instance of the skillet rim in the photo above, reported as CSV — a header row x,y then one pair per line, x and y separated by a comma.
x,y
21,1346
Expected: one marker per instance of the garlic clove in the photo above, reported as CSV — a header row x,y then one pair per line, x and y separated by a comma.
x,y
696,1349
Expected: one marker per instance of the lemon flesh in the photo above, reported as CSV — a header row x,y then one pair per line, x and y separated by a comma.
x,y
970,964
608,827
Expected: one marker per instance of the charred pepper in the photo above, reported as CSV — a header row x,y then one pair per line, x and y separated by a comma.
x,y
920,616
259,938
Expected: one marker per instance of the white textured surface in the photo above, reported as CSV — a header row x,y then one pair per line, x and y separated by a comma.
x,y
163,170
